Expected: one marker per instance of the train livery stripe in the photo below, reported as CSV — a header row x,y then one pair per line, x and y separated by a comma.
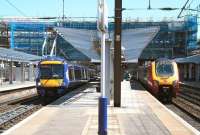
x,y
51,62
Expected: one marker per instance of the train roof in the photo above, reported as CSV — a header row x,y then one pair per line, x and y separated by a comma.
x,y
52,58
62,60
164,59
190,59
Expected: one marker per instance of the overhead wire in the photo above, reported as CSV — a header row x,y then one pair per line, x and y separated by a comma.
x,y
182,9
11,4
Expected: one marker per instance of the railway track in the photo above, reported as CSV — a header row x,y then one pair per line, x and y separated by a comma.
x,y
11,117
14,112
189,101
16,105
187,105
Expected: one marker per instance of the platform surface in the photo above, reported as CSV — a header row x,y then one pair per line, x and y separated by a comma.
x,y
77,114
16,85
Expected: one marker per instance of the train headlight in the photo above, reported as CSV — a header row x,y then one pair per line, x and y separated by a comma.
x,y
39,83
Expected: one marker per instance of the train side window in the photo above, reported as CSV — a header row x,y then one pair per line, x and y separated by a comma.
x,y
82,74
86,73
77,74
71,74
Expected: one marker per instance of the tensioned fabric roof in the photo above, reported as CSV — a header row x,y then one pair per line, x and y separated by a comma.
x,y
133,41
80,41
12,55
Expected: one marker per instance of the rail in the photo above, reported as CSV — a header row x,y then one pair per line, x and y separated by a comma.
x,y
189,100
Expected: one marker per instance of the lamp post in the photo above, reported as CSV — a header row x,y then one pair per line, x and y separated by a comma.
x,y
102,26
63,10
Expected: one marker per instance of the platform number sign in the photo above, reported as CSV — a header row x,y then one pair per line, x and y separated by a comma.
x,y
102,22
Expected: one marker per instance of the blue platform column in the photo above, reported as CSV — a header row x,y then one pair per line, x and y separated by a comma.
x,y
102,26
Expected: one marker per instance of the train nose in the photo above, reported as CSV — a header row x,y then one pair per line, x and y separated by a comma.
x,y
51,82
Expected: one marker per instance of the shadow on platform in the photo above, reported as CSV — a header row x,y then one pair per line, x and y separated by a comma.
x,y
135,85
74,97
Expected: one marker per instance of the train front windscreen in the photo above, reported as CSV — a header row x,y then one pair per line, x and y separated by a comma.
x,y
51,71
164,69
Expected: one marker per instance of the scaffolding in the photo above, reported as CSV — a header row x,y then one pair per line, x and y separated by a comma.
x,y
29,36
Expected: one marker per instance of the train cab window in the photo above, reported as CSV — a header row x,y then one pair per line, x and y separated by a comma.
x,y
48,71
164,69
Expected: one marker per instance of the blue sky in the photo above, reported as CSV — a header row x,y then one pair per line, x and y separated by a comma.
x,y
88,8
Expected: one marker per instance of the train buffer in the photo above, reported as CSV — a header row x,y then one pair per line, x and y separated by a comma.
x,y
77,114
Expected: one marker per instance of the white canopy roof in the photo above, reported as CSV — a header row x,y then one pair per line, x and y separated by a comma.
x,y
133,41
